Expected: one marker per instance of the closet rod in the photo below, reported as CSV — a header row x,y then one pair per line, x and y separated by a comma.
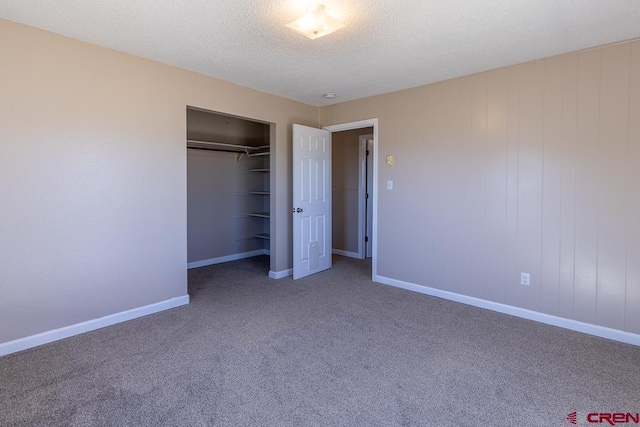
x,y
231,147
221,150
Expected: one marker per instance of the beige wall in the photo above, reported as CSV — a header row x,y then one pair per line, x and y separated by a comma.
x,y
532,168
93,177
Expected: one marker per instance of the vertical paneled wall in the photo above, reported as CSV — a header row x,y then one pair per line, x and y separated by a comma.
x,y
532,168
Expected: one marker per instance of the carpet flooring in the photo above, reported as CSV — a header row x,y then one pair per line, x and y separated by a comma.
x,y
333,349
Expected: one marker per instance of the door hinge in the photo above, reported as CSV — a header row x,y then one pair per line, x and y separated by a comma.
x,y
366,196
366,238
367,152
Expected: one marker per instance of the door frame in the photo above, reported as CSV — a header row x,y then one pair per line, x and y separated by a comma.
x,y
362,191
367,217
359,125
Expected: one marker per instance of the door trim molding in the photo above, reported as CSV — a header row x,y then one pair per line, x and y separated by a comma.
x,y
359,125
362,191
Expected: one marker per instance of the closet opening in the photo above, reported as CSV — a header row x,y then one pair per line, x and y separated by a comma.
x,y
228,187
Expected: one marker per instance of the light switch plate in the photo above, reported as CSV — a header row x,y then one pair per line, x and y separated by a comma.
x,y
389,160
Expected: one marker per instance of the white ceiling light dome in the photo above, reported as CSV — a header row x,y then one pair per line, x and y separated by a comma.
x,y
315,23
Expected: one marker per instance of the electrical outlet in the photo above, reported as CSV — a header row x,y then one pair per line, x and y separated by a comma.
x,y
525,279
389,185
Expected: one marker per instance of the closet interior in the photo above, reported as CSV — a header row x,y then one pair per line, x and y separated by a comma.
x,y
228,188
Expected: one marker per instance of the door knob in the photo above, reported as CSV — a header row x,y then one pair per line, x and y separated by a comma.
x,y
298,210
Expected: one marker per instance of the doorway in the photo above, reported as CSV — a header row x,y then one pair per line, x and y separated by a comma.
x,y
312,207
351,171
367,176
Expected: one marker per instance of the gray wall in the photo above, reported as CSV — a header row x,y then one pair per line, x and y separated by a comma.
x,y
217,205
531,168
210,126
93,177
217,186
345,172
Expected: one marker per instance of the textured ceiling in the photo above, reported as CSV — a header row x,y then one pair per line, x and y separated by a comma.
x,y
386,46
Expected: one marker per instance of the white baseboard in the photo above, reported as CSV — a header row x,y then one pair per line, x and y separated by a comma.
x,y
346,253
90,325
574,325
220,260
281,274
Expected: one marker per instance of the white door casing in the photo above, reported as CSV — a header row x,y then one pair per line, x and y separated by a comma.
x,y
369,209
311,200
365,187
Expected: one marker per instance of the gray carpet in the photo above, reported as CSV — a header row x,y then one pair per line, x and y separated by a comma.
x,y
332,349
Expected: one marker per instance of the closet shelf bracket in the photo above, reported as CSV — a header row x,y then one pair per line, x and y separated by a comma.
x,y
239,156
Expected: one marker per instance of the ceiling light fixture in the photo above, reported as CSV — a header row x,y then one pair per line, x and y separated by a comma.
x,y
315,23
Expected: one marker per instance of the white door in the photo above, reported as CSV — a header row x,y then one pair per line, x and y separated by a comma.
x,y
311,200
